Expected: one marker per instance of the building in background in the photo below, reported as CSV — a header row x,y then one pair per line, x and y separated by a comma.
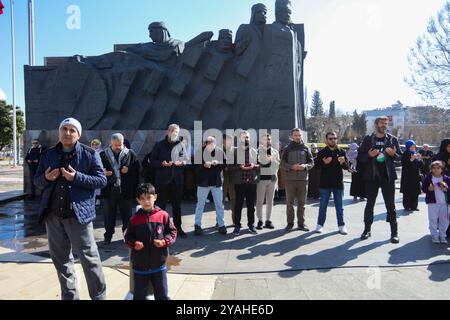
x,y
424,124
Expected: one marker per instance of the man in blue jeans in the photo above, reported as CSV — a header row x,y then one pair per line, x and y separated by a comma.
x,y
209,179
332,160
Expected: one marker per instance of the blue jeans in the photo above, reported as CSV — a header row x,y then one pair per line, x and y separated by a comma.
x,y
202,194
324,199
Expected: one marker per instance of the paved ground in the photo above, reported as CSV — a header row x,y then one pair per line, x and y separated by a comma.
x,y
270,265
11,181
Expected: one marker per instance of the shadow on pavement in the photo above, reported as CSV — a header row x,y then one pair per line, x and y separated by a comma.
x,y
330,258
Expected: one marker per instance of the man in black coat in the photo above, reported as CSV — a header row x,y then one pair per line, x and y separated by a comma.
x,y
169,158
122,171
378,152
32,158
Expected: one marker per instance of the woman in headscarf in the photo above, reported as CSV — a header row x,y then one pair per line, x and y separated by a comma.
x,y
412,165
444,156
314,176
357,188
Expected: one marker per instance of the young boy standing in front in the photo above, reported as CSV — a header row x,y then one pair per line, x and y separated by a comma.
x,y
149,234
436,187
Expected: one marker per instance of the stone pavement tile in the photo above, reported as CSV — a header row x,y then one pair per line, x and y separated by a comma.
x,y
411,283
196,289
175,282
252,289
40,282
24,281
285,289
225,289
318,287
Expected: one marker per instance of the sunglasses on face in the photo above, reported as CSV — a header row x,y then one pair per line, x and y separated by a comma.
x,y
332,139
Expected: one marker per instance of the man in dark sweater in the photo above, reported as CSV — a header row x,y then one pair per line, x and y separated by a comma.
x,y
332,160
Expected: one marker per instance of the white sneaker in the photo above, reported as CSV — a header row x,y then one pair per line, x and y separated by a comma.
x,y
343,230
435,240
319,229
443,240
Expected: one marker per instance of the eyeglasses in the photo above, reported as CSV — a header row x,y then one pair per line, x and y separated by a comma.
x,y
331,139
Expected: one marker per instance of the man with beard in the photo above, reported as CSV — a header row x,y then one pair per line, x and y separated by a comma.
x,y
169,158
122,170
378,152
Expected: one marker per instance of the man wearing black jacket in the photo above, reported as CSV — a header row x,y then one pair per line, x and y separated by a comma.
x,y
122,171
378,152
32,158
169,158
209,179
332,160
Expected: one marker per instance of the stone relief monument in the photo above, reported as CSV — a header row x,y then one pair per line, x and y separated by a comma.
x,y
254,82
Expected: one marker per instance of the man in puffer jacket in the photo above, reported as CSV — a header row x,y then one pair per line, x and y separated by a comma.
x,y
69,174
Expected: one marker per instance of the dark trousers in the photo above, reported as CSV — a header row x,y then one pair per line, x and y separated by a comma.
x,y
114,202
388,191
410,201
158,281
32,186
173,193
247,192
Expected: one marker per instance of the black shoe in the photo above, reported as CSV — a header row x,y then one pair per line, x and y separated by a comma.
x,y
366,235
182,234
260,225
252,230
198,230
223,230
416,209
303,227
395,239
269,225
236,231
289,227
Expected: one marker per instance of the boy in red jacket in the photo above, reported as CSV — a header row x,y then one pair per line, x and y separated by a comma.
x,y
149,234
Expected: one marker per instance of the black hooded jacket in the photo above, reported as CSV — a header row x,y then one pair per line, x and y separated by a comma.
x,y
444,156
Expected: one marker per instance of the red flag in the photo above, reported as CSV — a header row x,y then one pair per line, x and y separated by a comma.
x,y
1,7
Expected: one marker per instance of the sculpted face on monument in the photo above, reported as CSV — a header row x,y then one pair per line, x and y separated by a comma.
x,y
259,14
283,11
225,40
159,33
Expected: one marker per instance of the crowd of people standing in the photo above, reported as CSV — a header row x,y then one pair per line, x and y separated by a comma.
x,y
72,176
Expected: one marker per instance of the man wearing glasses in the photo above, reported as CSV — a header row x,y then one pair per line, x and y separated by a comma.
x,y
332,160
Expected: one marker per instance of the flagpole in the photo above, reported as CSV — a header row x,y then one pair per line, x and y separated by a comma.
x,y
14,84
31,42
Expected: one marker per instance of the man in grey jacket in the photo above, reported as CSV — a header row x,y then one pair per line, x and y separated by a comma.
x,y
297,160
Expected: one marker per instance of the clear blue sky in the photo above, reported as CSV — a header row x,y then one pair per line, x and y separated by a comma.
x,y
357,48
